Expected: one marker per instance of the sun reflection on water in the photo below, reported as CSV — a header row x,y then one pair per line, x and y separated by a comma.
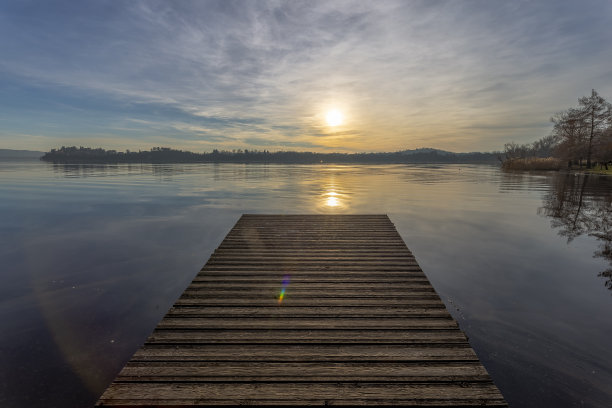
x,y
332,199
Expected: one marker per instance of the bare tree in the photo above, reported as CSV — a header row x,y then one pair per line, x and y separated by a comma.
x,y
570,132
545,146
514,150
597,114
580,129
603,147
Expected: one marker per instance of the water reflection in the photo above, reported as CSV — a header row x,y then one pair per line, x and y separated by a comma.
x,y
333,198
162,171
332,191
93,256
582,205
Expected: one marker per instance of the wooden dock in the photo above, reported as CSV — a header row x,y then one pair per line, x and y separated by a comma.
x,y
307,310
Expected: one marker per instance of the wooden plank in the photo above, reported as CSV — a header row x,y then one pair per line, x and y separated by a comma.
x,y
287,393
327,273
170,322
304,353
301,311
251,286
317,336
326,268
266,252
358,323
416,299
302,278
319,371
272,293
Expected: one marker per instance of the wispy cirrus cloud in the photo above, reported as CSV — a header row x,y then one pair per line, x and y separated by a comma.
x,y
455,75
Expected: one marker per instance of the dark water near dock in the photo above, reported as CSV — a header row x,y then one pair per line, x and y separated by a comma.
x,y
93,256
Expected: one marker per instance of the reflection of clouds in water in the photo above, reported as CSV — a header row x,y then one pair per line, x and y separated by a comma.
x,y
130,238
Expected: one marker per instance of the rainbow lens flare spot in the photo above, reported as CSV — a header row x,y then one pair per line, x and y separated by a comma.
x,y
285,283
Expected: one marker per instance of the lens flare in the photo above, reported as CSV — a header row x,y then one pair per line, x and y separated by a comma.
x,y
285,283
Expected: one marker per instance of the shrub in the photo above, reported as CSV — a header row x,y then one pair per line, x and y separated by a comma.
x,y
532,163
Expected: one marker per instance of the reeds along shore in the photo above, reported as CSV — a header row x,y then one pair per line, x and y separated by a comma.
x,y
532,163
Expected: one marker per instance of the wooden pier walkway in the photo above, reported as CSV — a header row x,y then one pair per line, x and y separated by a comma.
x,y
307,310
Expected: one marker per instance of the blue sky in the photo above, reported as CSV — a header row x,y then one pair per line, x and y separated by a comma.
x,y
199,75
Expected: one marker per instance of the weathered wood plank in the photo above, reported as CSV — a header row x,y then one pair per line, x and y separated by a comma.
x,y
450,338
301,311
327,269
232,279
322,273
273,292
269,371
324,252
358,323
296,285
235,264
416,299
305,353
456,394
170,322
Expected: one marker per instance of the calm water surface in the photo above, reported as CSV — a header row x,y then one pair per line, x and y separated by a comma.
x,y
93,256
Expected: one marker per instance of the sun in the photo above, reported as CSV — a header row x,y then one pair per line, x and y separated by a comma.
x,y
334,118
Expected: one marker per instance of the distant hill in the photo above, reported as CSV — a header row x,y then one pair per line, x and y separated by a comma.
x,y
20,154
427,150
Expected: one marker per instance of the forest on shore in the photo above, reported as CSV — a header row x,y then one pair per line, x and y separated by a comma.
x,y
581,136
85,155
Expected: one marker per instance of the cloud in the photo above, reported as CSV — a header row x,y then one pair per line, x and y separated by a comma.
x,y
404,73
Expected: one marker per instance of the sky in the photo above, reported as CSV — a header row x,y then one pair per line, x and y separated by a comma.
x,y
456,75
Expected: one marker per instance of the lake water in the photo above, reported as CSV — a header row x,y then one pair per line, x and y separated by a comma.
x,y
93,256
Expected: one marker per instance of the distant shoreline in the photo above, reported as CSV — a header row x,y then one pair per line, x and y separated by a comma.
x,y
10,154
73,155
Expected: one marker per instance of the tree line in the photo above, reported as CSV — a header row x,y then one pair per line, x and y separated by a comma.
x,y
78,155
580,135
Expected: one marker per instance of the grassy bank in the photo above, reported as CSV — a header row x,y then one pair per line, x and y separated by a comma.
x,y
597,170
532,163
547,164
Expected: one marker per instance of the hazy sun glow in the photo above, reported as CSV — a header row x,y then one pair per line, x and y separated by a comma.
x,y
334,117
